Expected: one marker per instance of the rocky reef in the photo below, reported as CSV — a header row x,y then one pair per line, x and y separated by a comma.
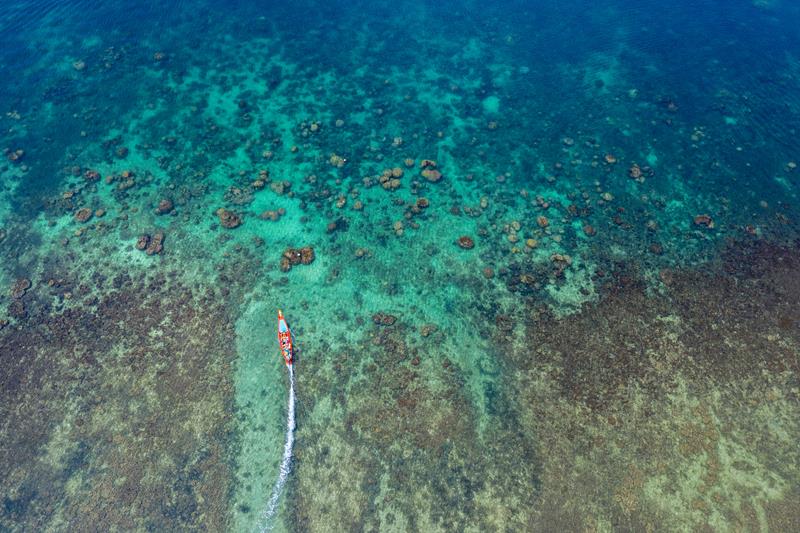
x,y
533,285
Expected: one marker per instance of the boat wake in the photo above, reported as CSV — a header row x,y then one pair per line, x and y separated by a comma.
x,y
286,462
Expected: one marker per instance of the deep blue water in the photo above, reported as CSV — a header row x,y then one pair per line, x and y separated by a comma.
x,y
710,58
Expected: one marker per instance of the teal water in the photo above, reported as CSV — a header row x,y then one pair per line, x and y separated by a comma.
x,y
540,261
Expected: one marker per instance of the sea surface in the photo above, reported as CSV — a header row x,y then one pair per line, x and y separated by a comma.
x,y
541,260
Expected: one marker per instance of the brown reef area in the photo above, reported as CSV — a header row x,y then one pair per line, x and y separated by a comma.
x,y
116,411
666,405
657,408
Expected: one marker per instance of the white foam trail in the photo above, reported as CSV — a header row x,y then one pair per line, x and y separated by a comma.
x,y
286,463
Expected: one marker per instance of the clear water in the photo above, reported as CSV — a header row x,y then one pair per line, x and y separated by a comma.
x,y
581,317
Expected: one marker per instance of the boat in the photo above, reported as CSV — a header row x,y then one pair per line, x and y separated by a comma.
x,y
285,339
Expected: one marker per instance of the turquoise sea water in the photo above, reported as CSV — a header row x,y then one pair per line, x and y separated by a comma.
x,y
540,260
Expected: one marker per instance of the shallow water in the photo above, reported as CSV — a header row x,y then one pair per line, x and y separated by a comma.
x,y
553,283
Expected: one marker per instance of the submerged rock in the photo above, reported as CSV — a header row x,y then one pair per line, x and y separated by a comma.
x,y
337,160
384,319
272,214
296,256
307,255
14,155
427,329
561,262
165,206
83,214
228,219
142,241
156,244
430,171
704,220
91,175
432,175
151,245
280,187
466,242
20,287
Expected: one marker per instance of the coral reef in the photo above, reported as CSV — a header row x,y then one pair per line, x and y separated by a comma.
x,y
228,219
101,389
534,286
296,256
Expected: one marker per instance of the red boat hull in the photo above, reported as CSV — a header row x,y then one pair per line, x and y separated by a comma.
x,y
285,339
